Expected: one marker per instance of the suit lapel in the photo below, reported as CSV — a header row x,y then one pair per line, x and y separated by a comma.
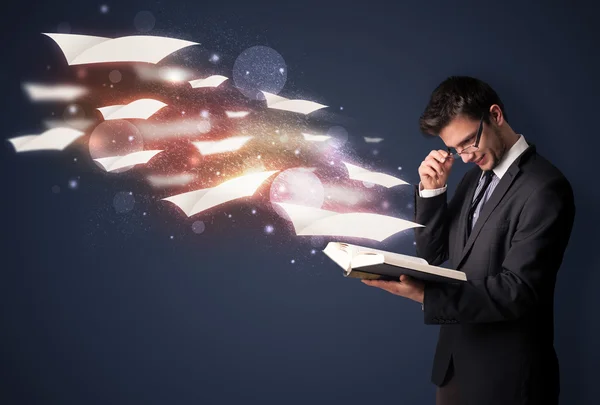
x,y
497,195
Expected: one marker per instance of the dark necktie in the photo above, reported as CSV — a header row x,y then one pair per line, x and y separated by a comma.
x,y
487,179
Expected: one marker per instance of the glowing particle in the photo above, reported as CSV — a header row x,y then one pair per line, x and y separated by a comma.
x,y
104,9
292,261
269,229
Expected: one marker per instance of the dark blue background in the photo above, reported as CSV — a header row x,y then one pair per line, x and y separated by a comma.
x,y
99,308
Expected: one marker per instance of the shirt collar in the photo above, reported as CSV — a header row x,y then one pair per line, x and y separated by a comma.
x,y
513,153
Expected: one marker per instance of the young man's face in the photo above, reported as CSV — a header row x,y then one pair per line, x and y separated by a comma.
x,y
461,133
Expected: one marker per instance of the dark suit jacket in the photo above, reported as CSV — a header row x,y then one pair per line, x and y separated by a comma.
x,y
497,328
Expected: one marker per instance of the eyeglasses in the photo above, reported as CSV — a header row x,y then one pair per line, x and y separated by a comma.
x,y
471,148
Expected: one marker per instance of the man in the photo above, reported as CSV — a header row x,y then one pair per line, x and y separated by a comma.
x,y
507,227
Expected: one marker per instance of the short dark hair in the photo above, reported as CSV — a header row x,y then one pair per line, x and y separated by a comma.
x,y
458,95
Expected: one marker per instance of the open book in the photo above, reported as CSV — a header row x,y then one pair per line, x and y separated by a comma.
x,y
368,263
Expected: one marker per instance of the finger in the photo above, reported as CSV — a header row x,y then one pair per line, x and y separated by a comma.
x,y
439,155
433,167
429,171
437,166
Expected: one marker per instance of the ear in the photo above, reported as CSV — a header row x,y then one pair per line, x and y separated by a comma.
x,y
496,115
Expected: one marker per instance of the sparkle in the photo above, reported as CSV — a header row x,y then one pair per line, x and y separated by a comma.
x,y
229,215
111,86
297,152
204,114
331,163
72,109
73,184
144,214
218,173
415,243
183,113
131,138
292,261
399,167
171,236
214,58
247,72
386,205
269,229
74,159
104,9
312,252
258,157
130,193
341,107
281,70
253,211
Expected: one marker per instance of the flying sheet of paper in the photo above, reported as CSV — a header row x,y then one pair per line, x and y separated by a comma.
x,y
372,140
315,138
58,92
52,139
359,173
81,124
300,106
211,81
225,145
140,109
237,114
119,162
315,221
170,181
84,49
194,202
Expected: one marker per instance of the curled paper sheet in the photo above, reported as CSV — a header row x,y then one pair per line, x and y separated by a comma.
x,y
237,114
315,221
82,124
84,49
372,140
140,109
358,173
54,92
159,181
52,139
315,138
225,145
211,81
119,162
194,202
300,106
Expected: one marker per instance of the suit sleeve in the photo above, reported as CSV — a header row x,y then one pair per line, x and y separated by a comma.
x,y
435,213
528,270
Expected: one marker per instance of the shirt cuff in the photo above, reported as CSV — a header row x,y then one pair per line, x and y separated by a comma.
x,y
426,193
